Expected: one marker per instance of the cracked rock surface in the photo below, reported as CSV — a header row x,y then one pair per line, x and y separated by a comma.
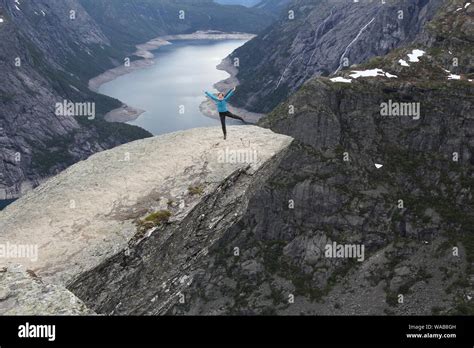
x,y
89,212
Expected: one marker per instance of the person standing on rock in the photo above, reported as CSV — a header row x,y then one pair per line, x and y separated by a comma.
x,y
221,102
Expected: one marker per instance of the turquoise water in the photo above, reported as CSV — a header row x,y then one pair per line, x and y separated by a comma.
x,y
172,90
5,202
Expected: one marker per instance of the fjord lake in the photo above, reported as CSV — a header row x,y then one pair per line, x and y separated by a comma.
x,y
171,91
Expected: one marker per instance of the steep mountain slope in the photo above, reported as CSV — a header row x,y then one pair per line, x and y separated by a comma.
x,y
131,22
42,66
317,41
48,52
273,6
413,215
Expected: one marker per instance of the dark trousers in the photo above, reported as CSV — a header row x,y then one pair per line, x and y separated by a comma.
x,y
223,115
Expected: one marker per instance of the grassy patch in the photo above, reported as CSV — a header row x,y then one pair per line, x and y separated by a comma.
x,y
158,218
196,190
155,219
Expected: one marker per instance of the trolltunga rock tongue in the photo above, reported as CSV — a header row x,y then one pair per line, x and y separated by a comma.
x,y
88,212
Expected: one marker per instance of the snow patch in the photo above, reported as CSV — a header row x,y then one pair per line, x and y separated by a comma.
x,y
403,62
1,20
454,77
341,79
465,6
378,166
371,73
415,55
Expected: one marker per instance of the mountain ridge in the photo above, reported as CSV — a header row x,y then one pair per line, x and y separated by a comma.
x,y
316,41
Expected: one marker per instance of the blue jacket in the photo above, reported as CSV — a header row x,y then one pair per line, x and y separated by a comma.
x,y
221,104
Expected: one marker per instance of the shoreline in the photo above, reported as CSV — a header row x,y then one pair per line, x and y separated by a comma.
x,y
208,107
127,113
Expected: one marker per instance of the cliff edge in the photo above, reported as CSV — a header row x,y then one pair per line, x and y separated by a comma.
x,y
100,206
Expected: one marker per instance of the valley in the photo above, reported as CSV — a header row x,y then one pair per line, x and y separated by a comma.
x,y
171,88
58,54
366,145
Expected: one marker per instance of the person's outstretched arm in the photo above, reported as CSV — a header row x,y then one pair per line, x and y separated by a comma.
x,y
227,94
230,94
211,96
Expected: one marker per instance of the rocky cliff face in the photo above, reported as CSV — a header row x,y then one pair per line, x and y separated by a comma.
x,y
48,52
318,37
393,183
132,197
34,141
412,212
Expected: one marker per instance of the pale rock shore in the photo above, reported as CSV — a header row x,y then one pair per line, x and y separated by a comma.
x,y
124,114
88,212
208,107
127,113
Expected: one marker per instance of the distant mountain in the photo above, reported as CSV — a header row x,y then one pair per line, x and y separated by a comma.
x,y
247,3
52,48
146,19
270,6
273,6
317,41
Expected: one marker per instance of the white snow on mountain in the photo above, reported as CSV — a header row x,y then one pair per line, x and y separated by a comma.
x,y
341,79
371,73
415,55
403,62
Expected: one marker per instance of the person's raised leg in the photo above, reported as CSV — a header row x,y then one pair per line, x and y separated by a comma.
x,y
224,130
231,115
